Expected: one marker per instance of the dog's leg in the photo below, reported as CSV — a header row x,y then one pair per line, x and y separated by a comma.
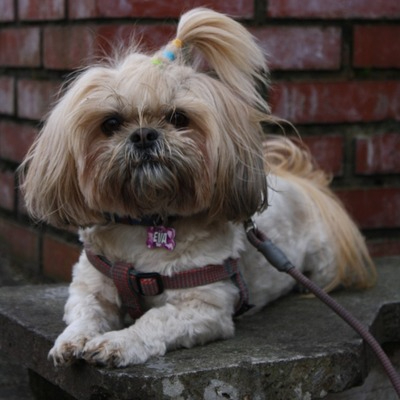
x,y
91,310
175,324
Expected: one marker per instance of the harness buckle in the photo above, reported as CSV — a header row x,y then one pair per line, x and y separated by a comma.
x,y
140,285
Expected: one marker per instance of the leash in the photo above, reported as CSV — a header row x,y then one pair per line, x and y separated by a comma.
x,y
277,258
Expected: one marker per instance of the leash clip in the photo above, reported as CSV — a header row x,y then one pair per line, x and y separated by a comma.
x,y
250,225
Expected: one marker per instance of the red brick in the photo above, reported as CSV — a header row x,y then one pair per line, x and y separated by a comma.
x,y
76,50
20,47
78,9
297,48
7,10
7,190
334,9
6,95
378,154
31,10
327,151
20,242
35,97
377,46
373,208
21,206
150,37
97,40
154,9
15,140
59,257
335,102
384,247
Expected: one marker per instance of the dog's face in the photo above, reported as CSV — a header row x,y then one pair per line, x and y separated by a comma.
x,y
149,139
141,138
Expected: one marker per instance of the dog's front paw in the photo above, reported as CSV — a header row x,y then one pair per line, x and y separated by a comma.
x,y
119,349
68,347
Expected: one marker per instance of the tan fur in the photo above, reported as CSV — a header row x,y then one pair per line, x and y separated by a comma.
x,y
294,163
73,174
230,50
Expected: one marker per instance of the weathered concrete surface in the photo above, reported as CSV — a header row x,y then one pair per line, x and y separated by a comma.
x,y
294,349
14,383
377,385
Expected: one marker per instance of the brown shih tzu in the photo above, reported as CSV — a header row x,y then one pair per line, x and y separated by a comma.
x,y
160,162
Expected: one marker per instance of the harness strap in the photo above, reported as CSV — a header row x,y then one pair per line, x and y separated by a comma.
x,y
132,285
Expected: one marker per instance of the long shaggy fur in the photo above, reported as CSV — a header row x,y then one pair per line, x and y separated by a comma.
x,y
294,163
157,134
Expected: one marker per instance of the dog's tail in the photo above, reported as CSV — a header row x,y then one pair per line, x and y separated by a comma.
x,y
294,162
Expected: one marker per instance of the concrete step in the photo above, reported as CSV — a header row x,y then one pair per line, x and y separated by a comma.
x,y
295,348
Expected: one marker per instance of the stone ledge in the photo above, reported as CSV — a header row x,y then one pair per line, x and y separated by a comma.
x,y
294,349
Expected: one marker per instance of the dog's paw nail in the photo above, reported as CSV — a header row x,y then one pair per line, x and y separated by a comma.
x,y
58,361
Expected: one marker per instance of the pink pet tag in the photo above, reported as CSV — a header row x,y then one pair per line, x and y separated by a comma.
x,y
160,237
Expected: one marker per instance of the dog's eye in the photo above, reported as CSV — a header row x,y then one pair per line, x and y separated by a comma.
x,y
111,125
178,119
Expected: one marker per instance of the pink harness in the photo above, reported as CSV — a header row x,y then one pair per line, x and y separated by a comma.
x,y
133,285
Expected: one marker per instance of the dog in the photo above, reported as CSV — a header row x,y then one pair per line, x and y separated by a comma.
x,y
159,159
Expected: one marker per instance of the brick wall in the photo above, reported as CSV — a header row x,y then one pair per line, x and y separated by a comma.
x,y
336,72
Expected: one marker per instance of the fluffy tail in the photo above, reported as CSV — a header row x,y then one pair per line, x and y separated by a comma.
x,y
294,162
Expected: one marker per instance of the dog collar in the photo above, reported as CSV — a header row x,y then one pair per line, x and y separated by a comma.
x,y
149,220
133,285
158,234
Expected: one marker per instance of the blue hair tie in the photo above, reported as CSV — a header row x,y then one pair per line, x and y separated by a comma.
x,y
169,55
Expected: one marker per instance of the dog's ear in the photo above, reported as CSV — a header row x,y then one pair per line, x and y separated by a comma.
x,y
48,174
240,188
232,54
228,49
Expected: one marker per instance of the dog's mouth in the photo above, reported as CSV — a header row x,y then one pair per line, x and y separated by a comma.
x,y
145,157
161,179
147,160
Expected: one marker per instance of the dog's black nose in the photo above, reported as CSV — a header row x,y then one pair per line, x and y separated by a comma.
x,y
144,138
